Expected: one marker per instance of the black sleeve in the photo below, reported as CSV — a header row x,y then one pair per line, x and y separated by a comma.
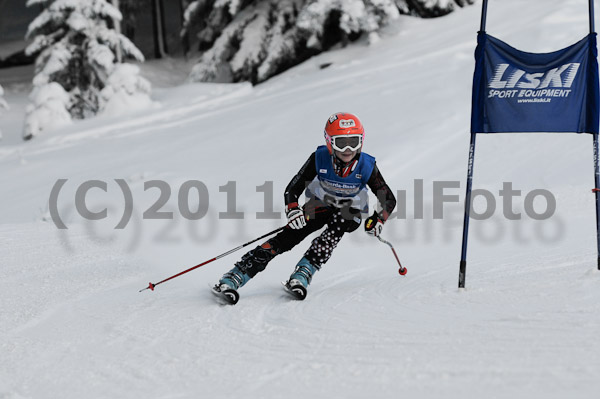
x,y
385,196
305,175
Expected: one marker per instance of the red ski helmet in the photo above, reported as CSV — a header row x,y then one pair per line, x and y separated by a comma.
x,y
342,131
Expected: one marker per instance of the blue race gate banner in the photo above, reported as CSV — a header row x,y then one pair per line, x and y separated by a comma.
x,y
515,91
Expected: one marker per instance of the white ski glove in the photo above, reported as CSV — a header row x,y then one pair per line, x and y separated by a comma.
x,y
373,225
296,218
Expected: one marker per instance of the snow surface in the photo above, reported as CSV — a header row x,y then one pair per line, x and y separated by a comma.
x,y
73,325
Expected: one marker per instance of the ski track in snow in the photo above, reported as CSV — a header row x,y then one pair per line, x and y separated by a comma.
x,y
73,324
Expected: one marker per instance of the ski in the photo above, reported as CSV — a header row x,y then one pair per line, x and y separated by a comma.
x,y
298,291
229,296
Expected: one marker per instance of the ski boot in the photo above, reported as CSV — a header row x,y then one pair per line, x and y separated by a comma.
x,y
228,285
299,280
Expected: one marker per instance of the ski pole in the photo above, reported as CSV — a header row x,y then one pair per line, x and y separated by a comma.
x,y
402,270
151,286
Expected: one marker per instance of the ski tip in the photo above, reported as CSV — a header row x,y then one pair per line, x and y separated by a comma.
x,y
298,292
230,296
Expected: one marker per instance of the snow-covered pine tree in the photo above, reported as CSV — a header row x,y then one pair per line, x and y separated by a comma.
x,y
3,104
194,20
239,40
330,21
125,91
75,45
253,40
430,8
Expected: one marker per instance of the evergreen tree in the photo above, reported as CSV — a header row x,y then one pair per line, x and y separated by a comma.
x,y
430,8
76,49
256,39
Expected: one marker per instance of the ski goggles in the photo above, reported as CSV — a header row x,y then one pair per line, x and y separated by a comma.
x,y
342,143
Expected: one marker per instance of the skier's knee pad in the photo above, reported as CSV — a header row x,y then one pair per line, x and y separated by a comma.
x,y
256,260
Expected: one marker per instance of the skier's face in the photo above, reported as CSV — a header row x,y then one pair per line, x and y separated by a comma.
x,y
345,156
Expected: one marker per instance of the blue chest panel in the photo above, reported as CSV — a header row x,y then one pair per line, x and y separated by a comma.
x,y
338,186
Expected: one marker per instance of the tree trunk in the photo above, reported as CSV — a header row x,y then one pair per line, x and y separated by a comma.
x,y
158,23
185,38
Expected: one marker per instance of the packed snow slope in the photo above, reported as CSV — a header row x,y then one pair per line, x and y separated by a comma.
x,y
73,324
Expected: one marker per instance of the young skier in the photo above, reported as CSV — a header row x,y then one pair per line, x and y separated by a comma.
x,y
334,179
